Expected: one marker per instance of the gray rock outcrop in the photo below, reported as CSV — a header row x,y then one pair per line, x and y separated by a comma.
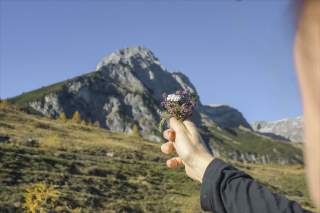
x,y
123,94
289,128
225,116
125,90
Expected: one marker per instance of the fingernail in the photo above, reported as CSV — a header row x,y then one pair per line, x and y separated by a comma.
x,y
171,135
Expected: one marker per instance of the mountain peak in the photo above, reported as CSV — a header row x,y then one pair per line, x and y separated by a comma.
x,y
126,55
124,96
139,70
125,91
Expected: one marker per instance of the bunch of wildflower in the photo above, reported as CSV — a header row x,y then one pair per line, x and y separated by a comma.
x,y
179,105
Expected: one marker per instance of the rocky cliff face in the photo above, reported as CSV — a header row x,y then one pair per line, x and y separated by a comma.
x,y
225,116
124,91
289,128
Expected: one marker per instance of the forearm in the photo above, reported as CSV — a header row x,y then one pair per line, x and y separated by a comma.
x,y
228,190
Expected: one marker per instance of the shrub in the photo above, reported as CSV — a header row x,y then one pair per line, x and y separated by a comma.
x,y
62,117
135,131
40,197
76,117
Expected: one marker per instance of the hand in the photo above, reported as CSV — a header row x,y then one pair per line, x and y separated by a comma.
x,y
185,140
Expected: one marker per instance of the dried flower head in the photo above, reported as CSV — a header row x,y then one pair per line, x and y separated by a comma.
x,y
179,105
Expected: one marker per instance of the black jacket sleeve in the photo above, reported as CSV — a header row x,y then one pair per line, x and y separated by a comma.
x,y
227,190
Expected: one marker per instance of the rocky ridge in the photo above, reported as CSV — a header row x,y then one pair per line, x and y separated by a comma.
x,y
288,128
124,92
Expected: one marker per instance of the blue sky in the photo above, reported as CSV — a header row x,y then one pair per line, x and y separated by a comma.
x,y
235,52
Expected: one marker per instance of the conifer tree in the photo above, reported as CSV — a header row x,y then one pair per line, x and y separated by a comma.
x,y
62,117
76,118
135,130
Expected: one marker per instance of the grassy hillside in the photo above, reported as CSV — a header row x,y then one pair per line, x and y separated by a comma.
x,y
242,140
237,144
23,99
88,169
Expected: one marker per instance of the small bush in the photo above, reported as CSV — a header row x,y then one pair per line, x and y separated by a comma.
x,y
39,198
135,131
76,117
62,117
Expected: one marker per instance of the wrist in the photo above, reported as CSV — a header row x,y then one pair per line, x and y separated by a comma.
x,y
203,163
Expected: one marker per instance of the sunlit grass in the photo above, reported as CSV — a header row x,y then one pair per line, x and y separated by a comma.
x,y
96,170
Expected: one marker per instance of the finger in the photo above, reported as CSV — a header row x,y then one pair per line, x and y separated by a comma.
x,y
168,147
174,162
169,134
176,125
